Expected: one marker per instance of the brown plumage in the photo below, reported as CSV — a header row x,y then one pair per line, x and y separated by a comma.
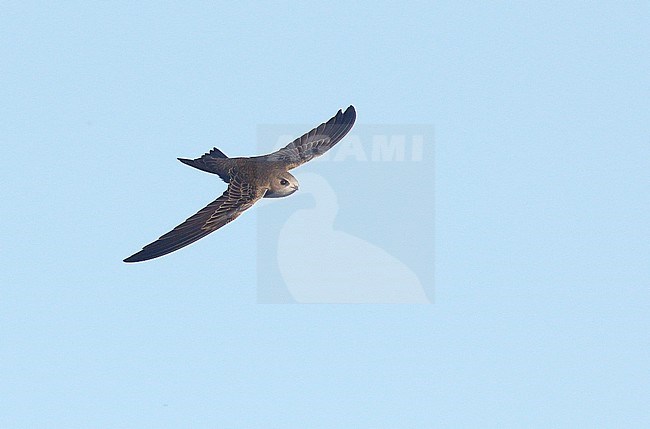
x,y
249,179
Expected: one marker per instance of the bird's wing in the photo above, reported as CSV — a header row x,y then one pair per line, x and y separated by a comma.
x,y
239,196
317,141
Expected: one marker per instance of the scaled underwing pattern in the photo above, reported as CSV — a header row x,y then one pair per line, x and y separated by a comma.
x,y
249,179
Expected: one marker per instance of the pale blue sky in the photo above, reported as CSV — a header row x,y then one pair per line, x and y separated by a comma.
x,y
540,275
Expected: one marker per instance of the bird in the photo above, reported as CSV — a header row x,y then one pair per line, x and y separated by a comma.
x,y
249,179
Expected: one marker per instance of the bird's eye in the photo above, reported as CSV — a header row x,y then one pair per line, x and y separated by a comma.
x,y
283,182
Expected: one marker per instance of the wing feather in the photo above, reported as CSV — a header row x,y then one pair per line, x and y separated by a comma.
x,y
317,141
239,196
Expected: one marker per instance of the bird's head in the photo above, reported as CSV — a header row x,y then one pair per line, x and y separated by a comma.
x,y
282,185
